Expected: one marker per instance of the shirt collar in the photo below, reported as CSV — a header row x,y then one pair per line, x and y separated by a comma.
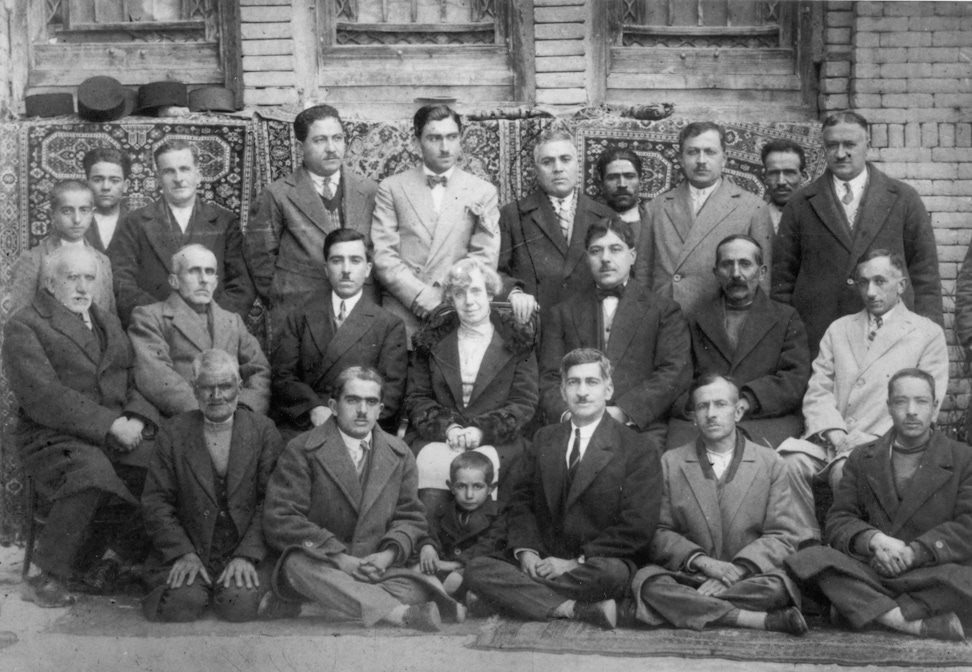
x,y
334,180
586,432
857,183
632,214
447,174
351,442
568,200
349,303
483,330
228,422
702,194
889,316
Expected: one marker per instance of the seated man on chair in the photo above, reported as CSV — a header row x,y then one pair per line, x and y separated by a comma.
x,y
83,426
169,335
727,522
223,454
342,508
899,535
582,512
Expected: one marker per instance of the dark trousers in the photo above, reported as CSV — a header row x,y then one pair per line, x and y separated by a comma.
x,y
187,602
507,588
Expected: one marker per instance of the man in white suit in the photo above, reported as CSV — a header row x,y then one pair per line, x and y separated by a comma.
x,y
845,405
687,223
428,218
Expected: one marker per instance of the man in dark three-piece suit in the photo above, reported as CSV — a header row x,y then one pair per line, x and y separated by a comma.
x,y
543,233
146,239
582,514
830,224
290,219
318,343
643,335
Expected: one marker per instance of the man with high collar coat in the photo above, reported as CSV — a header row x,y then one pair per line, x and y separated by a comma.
x,y
824,233
429,217
687,223
143,245
644,335
290,219
582,514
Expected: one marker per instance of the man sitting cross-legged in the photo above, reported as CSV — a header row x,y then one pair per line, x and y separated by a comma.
x,y
727,522
582,513
900,530
343,509
203,502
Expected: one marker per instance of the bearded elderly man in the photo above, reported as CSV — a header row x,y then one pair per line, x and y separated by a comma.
x,y
727,522
168,335
82,425
203,502
899,535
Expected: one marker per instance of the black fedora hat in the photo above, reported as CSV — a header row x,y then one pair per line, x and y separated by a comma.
x,y
212,99
101,98
162,94
49,104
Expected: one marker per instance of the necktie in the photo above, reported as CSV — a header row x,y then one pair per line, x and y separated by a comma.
x,y
342,314
574,456
848,196
326,192
85,319
360,462
872,334
562,217
437,179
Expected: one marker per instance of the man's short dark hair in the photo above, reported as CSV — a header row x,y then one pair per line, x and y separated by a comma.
x,y
783,146
348,236
470,459
306,119
603,227
896,259
698,128
846,117
175,145
585,356
429,113
912,373
612,154
704,380
740,236
107,155
357,373
66,186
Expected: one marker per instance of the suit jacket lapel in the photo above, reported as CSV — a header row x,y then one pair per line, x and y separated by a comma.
x,y
678,209
734,492
718,206
184,320
553,467
419,196
758,322
223,331
854,339
877,471
383,465
600,451
887,337
711,323
582,220
824,202
584,318
241,455
452,210
303,194
934,470
445,354
197,457
163,239
705,494
494,360
630,312
355,200
72,326
116,342
357,323
333,457
874,209
537,207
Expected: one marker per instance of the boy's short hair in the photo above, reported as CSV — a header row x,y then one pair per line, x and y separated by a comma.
x,y
107,155
67,186
470,459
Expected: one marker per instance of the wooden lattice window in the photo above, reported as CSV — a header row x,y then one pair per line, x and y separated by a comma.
x,y
415,22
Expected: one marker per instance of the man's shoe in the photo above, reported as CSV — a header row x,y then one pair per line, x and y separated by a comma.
x,y
452,611
272,607
943,626
787,620
46,591
100,579
628,613
424,617
603,614
477,607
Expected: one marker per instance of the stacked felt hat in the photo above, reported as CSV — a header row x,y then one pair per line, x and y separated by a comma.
x,y
104,98
152,97
212,99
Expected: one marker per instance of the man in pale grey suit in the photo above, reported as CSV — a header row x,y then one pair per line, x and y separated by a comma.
x,y
429,217
687,223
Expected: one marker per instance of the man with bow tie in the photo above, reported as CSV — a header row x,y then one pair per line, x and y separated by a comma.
x,y
644,335
168,335
84,430
429,217
830,224
582,514
685,225
291,218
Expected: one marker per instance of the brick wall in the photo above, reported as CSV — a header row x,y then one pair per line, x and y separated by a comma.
x,y
907,67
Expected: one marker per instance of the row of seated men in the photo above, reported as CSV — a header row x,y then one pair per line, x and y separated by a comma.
x,y
459,358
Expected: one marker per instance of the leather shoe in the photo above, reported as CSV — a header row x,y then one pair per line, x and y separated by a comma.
x,y
271,607
424,617
477,607
943,626
603,614
46,591
628,613
100,579
787,620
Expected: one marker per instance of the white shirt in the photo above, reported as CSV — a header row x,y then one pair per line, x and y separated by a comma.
x,y
700,196
349,303
74,243
719,461
631,215
858,185
182,215
473,342
106,226
586,432
776,214
438,191
333,180
355,451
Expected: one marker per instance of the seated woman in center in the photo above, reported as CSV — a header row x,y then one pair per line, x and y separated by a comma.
x,y
472,385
